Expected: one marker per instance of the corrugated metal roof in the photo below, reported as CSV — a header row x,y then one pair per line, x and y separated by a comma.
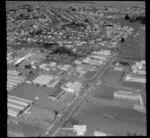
x,y
19,99
14,106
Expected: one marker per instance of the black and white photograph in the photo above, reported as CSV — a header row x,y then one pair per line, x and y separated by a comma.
x,y
76,68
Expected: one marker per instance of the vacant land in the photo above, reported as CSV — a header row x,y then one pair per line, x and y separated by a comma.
x,y
111,119
104,91
112,77
134,47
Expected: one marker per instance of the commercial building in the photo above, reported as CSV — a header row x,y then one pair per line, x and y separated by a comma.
x,y
126,95
72,87
16,105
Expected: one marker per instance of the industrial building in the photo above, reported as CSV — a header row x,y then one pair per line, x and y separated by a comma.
x,y
16,105
72,87
47,80
13,79
20,60
135,78
93,61
126,95
103,52
42,79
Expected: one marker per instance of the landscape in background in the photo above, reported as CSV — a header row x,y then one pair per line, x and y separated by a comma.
x,y
76,68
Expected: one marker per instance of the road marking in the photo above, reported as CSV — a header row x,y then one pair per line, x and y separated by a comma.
x,y
112,117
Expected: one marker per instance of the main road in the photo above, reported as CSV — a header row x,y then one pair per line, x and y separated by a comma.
x,y
83,95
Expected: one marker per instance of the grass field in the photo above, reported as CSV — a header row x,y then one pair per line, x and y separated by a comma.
x,y
89,74
120,121
112,77
105,92
134,47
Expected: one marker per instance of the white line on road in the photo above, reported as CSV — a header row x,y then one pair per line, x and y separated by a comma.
x,y
112,117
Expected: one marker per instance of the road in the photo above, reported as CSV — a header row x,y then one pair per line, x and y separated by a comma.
x,y
58,123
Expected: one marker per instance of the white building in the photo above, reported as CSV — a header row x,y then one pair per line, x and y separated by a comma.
x,y
72,87
135,78
98,133
80,129
126,95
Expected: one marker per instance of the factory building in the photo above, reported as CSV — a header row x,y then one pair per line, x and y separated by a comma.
x,y
135,78
47,80
13,79
72,87
20,60
42,79
16,105
126,95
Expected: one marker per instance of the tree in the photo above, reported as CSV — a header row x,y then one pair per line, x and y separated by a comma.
x,y
122,40
126,17
28,66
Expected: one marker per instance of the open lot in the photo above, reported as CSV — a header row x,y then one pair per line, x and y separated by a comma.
x,y
105,92
29,92
134,47
90,74
112,77
111,119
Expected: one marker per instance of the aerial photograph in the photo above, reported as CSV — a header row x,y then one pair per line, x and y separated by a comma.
x,y
76,68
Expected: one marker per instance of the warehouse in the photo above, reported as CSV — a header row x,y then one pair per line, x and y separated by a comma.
x,y
13,72
126,95
16,105
135,78
42,79
103,52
